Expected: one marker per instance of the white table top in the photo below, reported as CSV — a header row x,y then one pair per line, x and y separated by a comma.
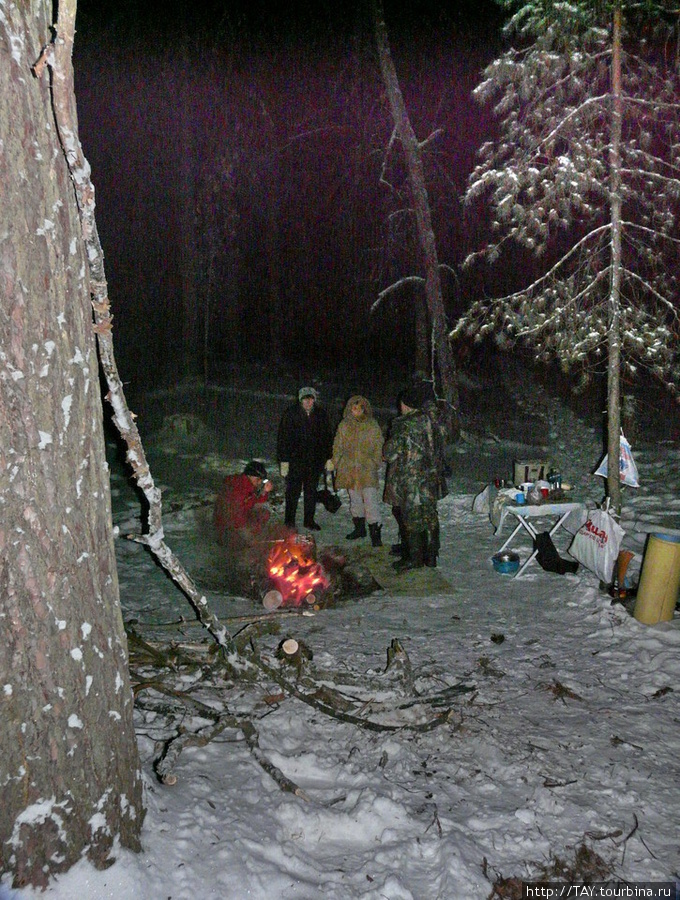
x,y
535,510
542,510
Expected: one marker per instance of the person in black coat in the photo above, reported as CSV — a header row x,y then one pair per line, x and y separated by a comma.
x,y
304,445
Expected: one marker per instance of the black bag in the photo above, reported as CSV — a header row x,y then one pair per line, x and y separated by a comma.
x,y
329,499
548,557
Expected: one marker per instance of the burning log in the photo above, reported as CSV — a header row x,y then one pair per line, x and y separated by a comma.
x,y
294,572
285,570
299,573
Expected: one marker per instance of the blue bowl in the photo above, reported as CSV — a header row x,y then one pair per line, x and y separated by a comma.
x,y
506,562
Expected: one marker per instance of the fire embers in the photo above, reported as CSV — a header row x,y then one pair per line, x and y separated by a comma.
x,y
294,572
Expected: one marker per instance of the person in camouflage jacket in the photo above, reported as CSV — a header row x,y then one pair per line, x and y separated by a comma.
x,y
414,480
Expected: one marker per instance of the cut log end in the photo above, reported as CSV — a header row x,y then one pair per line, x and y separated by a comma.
x,y
272,600
290,647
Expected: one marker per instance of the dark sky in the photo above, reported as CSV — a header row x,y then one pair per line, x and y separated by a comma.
x,y
272,17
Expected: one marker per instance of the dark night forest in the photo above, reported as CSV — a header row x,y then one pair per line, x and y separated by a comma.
x,y
249,208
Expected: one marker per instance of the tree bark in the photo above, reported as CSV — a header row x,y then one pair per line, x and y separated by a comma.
x,y
70,768
422,338
443,361
614,315
185,221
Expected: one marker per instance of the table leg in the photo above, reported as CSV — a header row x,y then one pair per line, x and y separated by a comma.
x,y
534,553
533,533
517,528
559,522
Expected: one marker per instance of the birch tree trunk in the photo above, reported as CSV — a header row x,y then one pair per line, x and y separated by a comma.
x,y
69,770
614,338
443,361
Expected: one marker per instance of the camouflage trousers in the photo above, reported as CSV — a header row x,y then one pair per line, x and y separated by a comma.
x,y
421,516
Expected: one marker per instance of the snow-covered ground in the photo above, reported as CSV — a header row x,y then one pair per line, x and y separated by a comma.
x,y
563,731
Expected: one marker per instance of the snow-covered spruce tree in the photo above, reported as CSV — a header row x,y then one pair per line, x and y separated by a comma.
x,y
585,173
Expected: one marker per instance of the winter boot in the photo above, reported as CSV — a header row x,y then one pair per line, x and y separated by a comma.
x,y
417,542
400,549
359,529
432,548
374,531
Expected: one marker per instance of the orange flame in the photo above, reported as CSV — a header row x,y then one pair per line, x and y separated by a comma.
x,y
294,571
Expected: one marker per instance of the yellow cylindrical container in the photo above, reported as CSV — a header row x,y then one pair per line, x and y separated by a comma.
x,y
659,580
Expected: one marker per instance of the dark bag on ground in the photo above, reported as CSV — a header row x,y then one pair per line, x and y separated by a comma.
x,y
327,498
548,557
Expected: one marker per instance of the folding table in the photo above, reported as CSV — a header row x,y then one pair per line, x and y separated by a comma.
x,y
557,512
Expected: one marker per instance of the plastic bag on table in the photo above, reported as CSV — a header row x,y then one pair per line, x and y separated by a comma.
x,y
537,492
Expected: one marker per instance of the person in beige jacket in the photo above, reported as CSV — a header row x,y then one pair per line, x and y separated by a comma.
x,y
357,456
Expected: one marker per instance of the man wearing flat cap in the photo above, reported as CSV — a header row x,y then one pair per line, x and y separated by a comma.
x,y
304,444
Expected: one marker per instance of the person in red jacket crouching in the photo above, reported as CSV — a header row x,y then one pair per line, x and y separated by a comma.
x,y
239,518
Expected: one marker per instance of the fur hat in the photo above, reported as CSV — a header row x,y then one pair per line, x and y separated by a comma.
x,y
307,392
256,469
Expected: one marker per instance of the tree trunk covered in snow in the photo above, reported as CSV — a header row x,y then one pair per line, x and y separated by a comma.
x,y
70,769
443,357
614,337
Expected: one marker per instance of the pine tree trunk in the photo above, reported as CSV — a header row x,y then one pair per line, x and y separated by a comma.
x,y
186,223
69,767
416,177
614,316
272,248
422,352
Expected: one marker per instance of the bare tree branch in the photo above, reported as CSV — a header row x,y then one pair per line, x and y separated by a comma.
x,y
409,279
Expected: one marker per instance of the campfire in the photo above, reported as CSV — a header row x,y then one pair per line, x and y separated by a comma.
x,y
294,573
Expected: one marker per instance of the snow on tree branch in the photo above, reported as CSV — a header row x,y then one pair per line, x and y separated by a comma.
x,y
588,148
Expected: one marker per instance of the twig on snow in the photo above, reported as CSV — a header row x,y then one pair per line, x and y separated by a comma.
x,y
251,736
174,746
